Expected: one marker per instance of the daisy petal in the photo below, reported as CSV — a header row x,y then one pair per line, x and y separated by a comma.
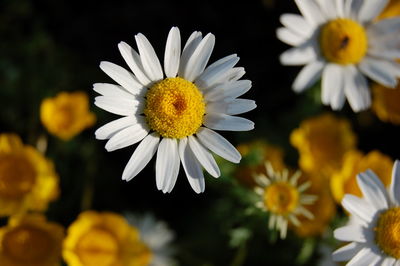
x,y
358,207
373,190
112,90
149,59
141,157
310,11
132,59
127,136
333,86
227,122
384,26
228,90
122,76
300,55
172,53
308,76
350,233
190,46
347,252
214,72
395,184
356,89
167,164
328,7
379,71
109,129
365,257
388,261
192,168
204,157
119,106
352,8
296,24
199,59
371,9
289,37
218,144
234,107
384,53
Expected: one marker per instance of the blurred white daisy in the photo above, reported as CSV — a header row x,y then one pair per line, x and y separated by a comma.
x,y
282,198
374,230
341,42
174,115
157,237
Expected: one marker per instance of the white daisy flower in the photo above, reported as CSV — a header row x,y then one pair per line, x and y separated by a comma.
x,y
174,115
156,236
283,198
374,230
340,42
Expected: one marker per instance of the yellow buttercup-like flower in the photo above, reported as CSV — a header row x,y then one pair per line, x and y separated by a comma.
x,y
385,103
391,10
31,240
67,114
28,180
344,181
104,239
322,141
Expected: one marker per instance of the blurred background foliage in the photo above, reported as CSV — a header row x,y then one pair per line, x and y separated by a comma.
x,y
51,46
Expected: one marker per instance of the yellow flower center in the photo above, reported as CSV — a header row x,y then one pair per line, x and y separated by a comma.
x,y
343,41
281,198
100,247
174,108
17,176
28,245
387,232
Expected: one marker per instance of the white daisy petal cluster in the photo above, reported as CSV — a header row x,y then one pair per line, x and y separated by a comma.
x,y
374,228
174,110
340,43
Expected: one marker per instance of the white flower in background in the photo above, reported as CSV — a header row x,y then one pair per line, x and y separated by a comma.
x,y
174,115
340,42
157,237
374,230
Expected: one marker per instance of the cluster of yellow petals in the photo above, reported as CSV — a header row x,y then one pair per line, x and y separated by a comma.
x,y
67,114
391,10
104,239
345,182
31,240
28,180
321,142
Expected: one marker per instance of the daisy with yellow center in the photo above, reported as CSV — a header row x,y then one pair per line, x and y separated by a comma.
x,y
174,115
374,232
28,180
339,42
282,198
66,114
31,240
107,239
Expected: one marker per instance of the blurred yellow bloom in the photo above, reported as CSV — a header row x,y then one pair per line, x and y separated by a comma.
x,y
322,141
344,181
104,239
30,240
254,155
385,103
28,180
323,209
67,114
391,10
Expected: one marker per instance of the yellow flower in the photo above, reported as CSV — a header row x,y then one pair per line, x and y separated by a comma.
x,y
30,240
344,181
28,180
104,239
323,209
391,10
255,153
385,103
67,114
322,141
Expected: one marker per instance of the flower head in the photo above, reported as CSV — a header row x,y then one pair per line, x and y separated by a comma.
x,y
374,230
28,180
339,42
31,240
322,142
282,198
67,114
385,103
344,180
174,115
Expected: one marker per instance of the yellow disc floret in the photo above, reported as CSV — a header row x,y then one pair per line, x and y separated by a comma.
x,y
388,232
174,108
281,198
343,41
